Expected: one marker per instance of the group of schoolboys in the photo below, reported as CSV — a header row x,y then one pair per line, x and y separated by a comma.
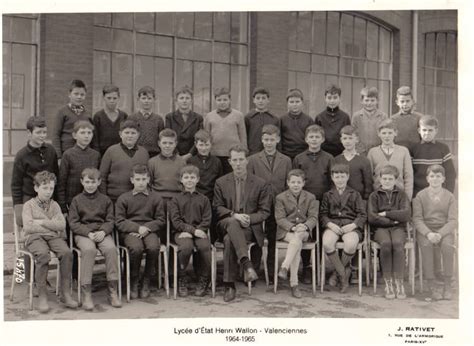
x,y
132,172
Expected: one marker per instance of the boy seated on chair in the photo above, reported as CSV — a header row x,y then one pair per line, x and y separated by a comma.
x,y
296,214
190,214
44,226
435,218
91,219
139,217
343,217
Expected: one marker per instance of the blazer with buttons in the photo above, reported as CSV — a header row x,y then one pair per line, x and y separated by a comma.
x,y
184,130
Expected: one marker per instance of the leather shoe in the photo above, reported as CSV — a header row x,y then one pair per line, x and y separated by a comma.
x,y
295,292
229,294
250,274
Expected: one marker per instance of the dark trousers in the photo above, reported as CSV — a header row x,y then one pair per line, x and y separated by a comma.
x,y
392,251
40,246
236,239
136,246
201,263
428,250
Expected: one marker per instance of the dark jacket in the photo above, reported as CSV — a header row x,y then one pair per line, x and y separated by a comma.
x,y
343,209
394,203
184,130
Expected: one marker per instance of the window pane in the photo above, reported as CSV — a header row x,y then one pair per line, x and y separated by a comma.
x,y
122,41
184,73
357,85
202,87
429,76
6,142
331,65
385,45
101,77
439,75
384,71
6,25
359,38
238,88
203,50
372,69
358,68
184,24
122,77
384,96
103,19
144,71
347,35
372,41
164,80
164,46
292,31
164,22
429,100
300,61
222,52
6,84
221,77
346,66
145,44
291,79
23,30
18,140
346,92
303,82
222,26
451,52
185,49
239,26
332,80
203,25
303,41
429,49
332,34
145,21
122,20
238,54
317,63
441,50
318,86
102,38
319,32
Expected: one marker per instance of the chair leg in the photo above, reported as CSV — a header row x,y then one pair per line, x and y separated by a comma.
x,y
265,265
79,279
313,270
159,271
323,270
249,284
58,274
119,273
359,271
367,266
13,279
213,272
127,265
175,272
275,272
375,270
412,270
420,269
318,264
32,280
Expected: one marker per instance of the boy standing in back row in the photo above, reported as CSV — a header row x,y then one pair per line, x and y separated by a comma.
x,y
406,120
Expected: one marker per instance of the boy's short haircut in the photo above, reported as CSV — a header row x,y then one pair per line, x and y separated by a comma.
x,y
389,169
82,124
77,83
404,91
316,129
369,92
428,120
296,173
44,177
294,93
184,90
436,169
387,124
203,136
349,130
147,91
139,168
91,173
33,122
110,88
221,91
167,133
129,124
189,169
239,148
270,129
333,89
261,90
340,168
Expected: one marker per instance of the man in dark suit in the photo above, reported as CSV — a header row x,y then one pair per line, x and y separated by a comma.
x,y
241,202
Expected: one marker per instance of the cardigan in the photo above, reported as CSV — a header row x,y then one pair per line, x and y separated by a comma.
x,y
254,122
293,129
106,132
290,211
435,213
29,161
190,211
401,159
367,127
91,212
332,121
210,169
407,128
343,209
63,125
184,130
360,174
164,173
115,169
54,226
394,203
150,128
225,131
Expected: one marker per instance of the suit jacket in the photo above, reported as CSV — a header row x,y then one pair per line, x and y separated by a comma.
x,y
289,212
276,177
343,209
184,130
256,201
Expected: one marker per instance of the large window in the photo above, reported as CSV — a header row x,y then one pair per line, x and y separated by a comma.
x,y
170,50
440,84
339,48
20,46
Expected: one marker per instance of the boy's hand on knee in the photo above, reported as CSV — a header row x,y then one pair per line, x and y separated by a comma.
x,y
348,228
433,237
335,228
243,219
200,234
99,236
185,235
143,231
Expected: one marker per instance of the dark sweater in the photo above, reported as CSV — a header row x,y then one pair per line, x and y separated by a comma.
x,y
184,130
360,174
149,130
210,169
91,213
317,167
29,161
133,211
332,120
434,153
293,133
107,132
190,211
254,121
394,203
74,161
343,209
63,125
